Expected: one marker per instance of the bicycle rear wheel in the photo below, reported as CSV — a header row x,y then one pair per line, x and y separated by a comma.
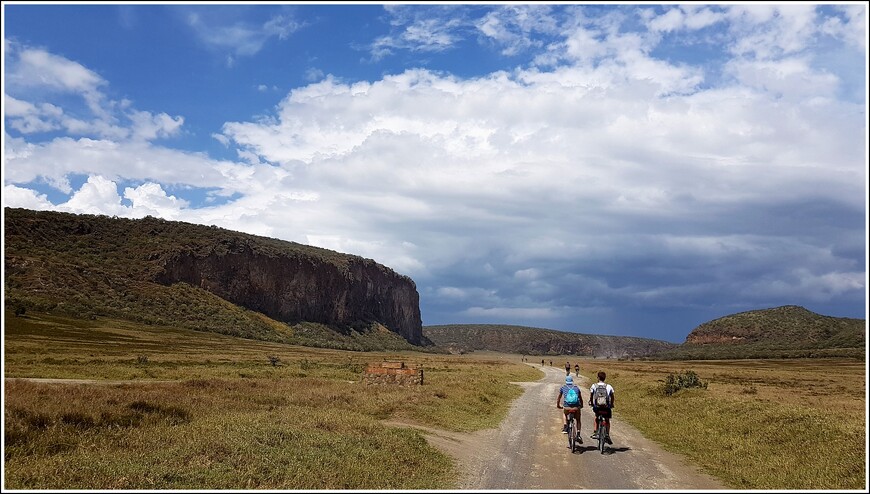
x,y
602,434
571,433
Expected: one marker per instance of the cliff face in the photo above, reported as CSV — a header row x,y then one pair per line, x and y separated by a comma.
x,y
293,288
89,266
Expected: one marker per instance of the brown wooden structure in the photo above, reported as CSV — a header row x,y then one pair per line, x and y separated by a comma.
x,y
392,372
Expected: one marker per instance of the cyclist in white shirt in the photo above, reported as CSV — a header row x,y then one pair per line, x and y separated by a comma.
x,y
602,407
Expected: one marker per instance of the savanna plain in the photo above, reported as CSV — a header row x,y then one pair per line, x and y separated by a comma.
x,y
163,408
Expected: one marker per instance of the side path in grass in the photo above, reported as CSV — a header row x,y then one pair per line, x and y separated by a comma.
x,y
528,450
51,380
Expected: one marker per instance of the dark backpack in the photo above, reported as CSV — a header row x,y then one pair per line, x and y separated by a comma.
x,y
601,399
572,396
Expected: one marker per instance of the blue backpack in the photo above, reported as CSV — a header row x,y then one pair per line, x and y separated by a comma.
x,y
572,396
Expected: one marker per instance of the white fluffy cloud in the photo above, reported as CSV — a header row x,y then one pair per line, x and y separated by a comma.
x,y
57,86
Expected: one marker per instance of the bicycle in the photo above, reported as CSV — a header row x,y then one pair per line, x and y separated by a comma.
x,y
573,434
602,431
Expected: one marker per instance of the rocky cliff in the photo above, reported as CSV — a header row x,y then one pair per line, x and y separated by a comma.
x,y
200,277
292,287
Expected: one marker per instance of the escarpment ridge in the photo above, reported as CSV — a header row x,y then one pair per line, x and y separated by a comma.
x,y
200,277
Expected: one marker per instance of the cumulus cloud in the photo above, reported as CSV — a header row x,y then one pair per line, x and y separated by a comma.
x,y
574,160
21,197
44,90
29,118
565,179
769,31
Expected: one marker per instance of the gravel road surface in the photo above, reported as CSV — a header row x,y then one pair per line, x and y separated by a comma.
x,y
529,451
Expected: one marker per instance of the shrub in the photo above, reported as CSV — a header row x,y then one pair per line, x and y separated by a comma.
x,y
686,379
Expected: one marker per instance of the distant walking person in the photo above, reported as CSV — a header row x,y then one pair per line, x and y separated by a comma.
x,y
577,370
542,362
567,368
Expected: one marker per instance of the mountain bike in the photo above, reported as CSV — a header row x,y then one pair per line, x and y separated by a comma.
x,y
602,431
572,431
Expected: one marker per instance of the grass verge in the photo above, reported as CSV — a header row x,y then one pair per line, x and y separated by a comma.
x,y
764,424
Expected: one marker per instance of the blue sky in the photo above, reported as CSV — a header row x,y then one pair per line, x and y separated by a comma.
x,y
604,168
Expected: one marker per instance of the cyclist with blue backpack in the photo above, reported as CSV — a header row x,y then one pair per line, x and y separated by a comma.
x,y
570,401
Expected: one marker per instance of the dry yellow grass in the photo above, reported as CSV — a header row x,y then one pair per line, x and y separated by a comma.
x,y
760,424
228,418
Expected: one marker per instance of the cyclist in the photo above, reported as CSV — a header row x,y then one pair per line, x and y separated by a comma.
x,y
577,370
567,368
563,401
603,406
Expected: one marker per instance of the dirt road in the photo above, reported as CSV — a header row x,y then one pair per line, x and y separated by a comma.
x,y
529,451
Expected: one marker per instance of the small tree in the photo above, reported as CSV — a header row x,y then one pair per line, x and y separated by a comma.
x,y
686,379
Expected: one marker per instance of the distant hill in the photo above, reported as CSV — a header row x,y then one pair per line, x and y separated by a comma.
x,y
788,331
205,278
539,341
781,332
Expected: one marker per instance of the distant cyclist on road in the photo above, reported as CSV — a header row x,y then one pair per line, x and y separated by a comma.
x,y
602,401
570,400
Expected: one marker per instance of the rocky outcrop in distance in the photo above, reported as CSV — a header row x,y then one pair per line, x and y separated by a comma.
x,y
292,287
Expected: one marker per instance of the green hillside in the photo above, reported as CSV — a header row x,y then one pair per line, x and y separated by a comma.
x,y
783,332
90,266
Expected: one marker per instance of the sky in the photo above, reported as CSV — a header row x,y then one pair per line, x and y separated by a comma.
x,y
622,169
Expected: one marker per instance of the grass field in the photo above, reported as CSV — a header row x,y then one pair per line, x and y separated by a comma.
x,y
759,424
207,411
